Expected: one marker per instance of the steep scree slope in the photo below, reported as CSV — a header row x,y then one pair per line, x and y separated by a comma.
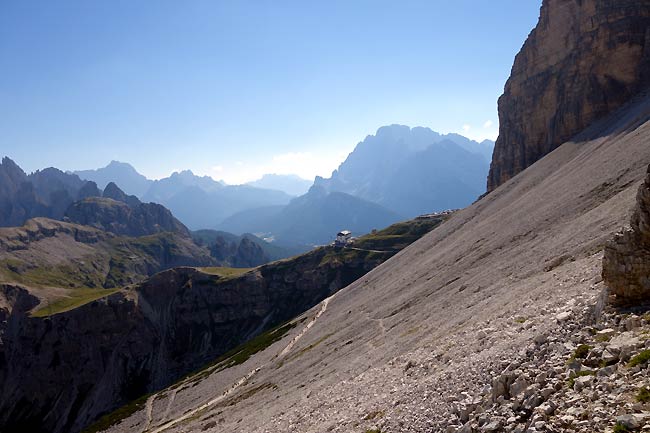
x,y
394,350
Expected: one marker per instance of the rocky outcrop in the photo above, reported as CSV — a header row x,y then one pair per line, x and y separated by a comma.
x,y
583,60
626,263
49,253
244,251
37,229
114,192
119,217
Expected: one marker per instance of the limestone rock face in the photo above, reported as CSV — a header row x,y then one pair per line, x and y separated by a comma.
x,y
123,214
584,59
626,264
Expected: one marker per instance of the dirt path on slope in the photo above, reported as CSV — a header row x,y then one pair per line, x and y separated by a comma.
x,y
149,411
234,386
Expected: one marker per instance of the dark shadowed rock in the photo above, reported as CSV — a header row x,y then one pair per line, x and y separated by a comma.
x,y
89,189
44,193
114,192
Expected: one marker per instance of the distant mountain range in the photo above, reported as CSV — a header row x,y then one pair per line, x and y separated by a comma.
x,y
44,193
199,201
312,219
400,172
289,183
51,194
413,170
122,174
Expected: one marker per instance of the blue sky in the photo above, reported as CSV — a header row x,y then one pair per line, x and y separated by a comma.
x,y
237,88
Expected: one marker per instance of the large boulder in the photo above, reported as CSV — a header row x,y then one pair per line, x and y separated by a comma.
x,y
626,264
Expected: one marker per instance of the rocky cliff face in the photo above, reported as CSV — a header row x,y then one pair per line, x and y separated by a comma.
x,y
626,263
124,218
583,60
58,374
230,250
61,372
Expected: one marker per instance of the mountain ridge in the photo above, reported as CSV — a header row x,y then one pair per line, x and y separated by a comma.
x,y
387,168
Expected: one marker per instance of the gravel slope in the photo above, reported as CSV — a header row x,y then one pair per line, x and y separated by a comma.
x,y
395,350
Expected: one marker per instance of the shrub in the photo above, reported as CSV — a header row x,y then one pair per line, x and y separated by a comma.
x,y
572,378
582,351
620,428
643,395
639,359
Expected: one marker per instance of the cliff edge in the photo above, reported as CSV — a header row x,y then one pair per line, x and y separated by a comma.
x,y
584,60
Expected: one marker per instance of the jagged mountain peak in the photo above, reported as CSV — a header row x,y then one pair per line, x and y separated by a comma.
x,y
386,168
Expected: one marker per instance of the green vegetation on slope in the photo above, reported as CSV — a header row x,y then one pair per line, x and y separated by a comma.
x,y
237,356
383,244
399,235
77,274
224,272
73,298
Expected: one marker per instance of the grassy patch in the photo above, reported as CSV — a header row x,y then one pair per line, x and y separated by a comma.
x,y
241,353
582,351
639,359
118,415
603,338
373,430
225,272
573,377
399,235
77,274
620,428
643,395
73,299
374,415
304,350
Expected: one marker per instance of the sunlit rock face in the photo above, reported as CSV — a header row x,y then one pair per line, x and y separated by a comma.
x,y
584,59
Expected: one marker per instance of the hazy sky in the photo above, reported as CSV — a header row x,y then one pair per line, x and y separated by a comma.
x,y
237,88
